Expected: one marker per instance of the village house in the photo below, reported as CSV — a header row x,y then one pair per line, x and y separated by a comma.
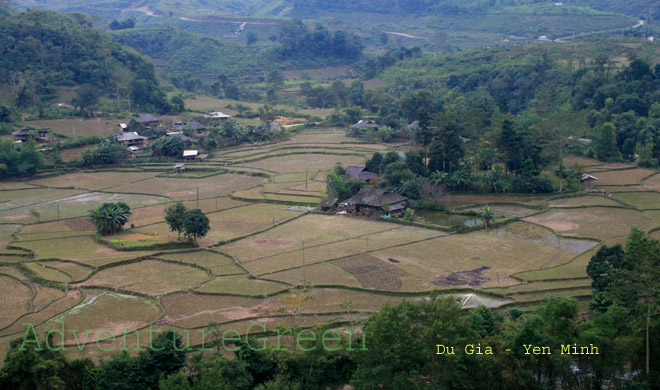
x,y
360,173
363,124
194,155
588,181
328,204
25,134
147,120
370,200
131,138
193,125
188,141
218,116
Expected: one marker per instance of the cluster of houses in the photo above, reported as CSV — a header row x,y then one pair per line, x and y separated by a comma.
x,y
370,200
136,142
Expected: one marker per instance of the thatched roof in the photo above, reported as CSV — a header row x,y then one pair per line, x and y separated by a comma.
x,y
146,118
375,197
366,123
357,172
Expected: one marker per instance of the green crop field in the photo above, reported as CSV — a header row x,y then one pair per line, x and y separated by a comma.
x,y
584,201
640,200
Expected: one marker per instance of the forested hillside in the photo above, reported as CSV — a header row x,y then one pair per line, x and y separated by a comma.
x,y
42,52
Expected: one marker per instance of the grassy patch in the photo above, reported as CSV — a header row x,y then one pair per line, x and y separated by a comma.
x,y
640,200
584,201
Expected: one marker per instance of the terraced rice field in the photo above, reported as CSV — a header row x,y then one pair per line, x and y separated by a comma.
x,y
261,249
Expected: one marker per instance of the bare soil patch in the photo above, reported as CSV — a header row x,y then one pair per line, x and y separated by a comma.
x,y
180,193
15,217
270,244
372,272
472,278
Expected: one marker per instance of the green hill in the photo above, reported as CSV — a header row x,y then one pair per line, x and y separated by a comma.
x,y
45,55
187,52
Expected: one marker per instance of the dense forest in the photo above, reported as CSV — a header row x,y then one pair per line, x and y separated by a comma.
x,y
427,344
43,51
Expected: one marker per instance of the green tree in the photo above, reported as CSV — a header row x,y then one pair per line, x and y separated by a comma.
x,y
174,216
639,280
487,215
110,218
195,224
605,145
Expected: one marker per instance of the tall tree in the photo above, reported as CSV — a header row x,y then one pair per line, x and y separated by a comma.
x,y
195,224
174,216
639,279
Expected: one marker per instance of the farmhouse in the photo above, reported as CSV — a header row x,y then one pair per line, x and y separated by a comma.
x,y
376,200
186,140
363,124
328,204
218,115
357,172
194,125
588,180
193,155
25,134
131,138
148,120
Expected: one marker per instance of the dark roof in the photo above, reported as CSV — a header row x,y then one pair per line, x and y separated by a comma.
x,y
193,124
146,118
359,173
328,202
375,197
26,131
184,137
366,123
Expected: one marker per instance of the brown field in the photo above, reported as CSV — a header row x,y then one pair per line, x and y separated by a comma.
x,y
72,299
104,310
191,310
317,274
186,189
149,277
595,222
16,300
625,177
507,210
300,162
241,285
217,263
572,160
582,201
94,180
97,127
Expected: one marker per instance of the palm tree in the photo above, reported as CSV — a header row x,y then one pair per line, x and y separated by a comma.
x,y
110,218
487,214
